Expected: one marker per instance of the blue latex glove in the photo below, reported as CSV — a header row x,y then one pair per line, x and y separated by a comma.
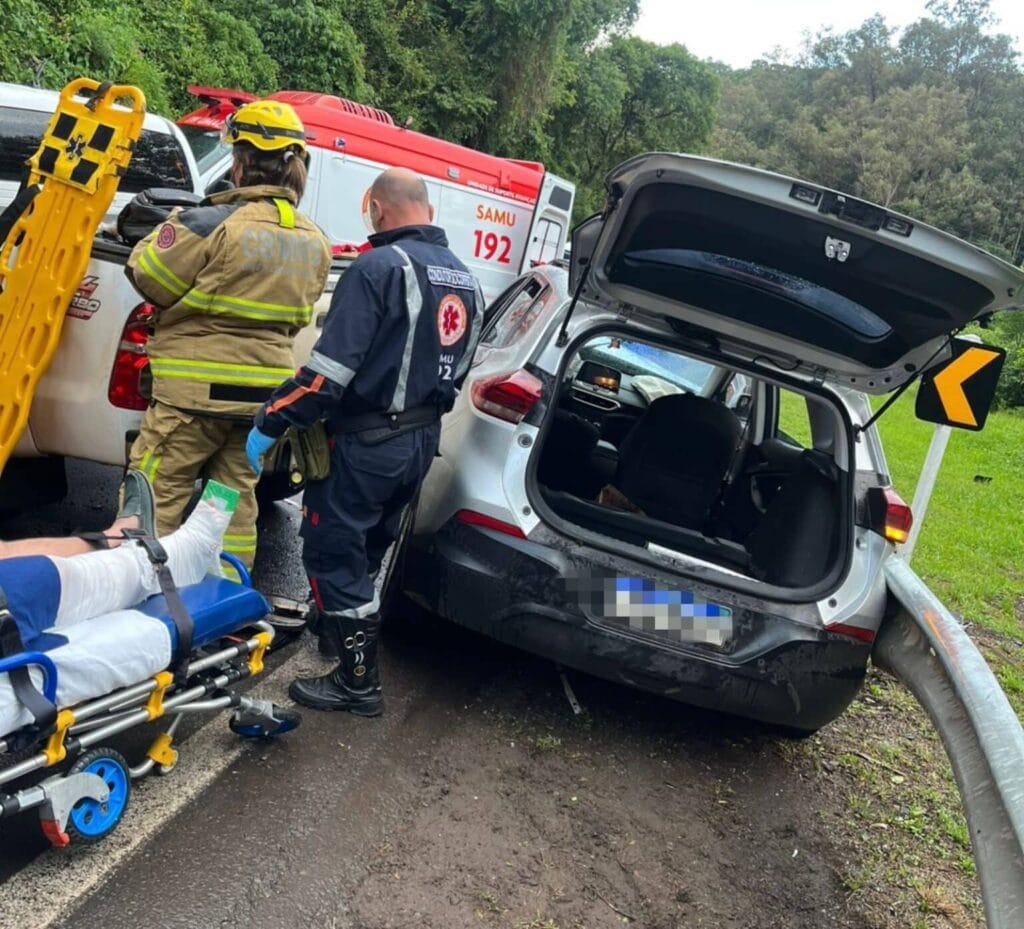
x,y
256,446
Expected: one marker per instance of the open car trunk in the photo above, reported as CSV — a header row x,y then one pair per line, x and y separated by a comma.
x,y
785,271
649,447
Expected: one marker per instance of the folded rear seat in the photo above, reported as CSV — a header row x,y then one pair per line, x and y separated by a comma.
x,y
792,545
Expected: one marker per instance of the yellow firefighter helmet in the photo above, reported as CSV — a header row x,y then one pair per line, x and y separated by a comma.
x,y
266,124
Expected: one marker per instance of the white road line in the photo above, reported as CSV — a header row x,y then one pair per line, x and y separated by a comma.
x,y
46,890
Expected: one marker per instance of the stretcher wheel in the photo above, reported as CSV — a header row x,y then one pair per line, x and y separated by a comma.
x,y
90,820
280,722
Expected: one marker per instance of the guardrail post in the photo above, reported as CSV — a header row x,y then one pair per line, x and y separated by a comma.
x,y
926,482
925,487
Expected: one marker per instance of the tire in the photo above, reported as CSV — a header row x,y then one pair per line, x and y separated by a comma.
x,y
32,482
276,486
276,482
91,821
393,601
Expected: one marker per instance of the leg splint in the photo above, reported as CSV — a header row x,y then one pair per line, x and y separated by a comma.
x,y
71,182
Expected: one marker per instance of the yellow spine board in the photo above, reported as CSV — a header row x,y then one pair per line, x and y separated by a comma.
x,y
86,148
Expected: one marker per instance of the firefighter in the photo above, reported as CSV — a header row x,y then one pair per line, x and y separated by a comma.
x,y
397,342
233,280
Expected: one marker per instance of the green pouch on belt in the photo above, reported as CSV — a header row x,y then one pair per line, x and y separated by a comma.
x,y
311,451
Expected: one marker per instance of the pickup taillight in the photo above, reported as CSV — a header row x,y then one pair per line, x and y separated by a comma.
x,y
131,361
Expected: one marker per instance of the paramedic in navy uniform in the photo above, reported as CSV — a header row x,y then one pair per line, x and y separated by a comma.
x,y
398,340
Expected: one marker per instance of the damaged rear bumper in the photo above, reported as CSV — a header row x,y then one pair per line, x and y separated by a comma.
x,y
542,600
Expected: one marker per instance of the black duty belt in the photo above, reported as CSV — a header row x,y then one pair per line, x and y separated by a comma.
x,y
379,427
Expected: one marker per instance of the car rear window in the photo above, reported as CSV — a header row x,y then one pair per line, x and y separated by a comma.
x,y
158,161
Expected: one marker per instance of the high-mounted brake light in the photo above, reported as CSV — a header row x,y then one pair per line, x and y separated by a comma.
x,y
890,517
508,396
131,361
472,518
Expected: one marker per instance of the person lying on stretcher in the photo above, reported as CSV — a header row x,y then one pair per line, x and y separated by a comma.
x,y
51,603
137,512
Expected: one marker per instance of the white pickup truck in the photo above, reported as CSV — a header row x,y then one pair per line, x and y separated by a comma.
x,y
501,216
88,404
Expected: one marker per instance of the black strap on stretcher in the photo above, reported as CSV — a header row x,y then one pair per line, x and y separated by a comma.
x,y
44,713
157,555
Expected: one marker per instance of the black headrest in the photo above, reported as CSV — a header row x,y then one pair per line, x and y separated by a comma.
x,y
673,461
675,418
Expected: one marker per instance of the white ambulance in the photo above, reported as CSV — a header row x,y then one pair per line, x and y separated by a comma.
x,y
501,216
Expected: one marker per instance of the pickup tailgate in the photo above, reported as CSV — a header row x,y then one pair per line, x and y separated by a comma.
x,y
71,413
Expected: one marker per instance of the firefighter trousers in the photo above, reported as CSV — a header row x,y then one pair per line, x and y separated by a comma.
x,y
350,519
175,448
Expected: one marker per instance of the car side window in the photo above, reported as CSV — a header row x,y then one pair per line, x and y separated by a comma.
x,y
514,318
794,422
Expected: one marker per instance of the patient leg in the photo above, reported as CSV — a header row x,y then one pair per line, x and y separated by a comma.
x,y
101,582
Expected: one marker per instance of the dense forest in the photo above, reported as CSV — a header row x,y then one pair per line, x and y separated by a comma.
x,y
928,120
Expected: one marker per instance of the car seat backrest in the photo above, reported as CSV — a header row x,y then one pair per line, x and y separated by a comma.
x,y
797,539
566,454
672,463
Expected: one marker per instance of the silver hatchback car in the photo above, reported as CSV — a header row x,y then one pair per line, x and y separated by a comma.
x,y
662,468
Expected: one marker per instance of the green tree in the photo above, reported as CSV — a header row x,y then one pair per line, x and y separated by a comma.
x,y
631,96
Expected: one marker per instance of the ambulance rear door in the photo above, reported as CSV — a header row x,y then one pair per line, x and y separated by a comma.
x,y
487,230
549,230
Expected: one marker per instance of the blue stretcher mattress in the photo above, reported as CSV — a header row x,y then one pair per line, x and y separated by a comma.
x,y
217,606
103,654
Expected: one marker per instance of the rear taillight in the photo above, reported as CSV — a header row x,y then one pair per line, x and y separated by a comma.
x,y
472,518
508,396
130,362
889,516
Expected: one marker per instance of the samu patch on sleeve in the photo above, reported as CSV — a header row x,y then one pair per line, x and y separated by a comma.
x,y
452,319
166,237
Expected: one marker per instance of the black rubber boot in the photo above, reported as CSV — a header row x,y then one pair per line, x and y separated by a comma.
x,y
327,643
355,684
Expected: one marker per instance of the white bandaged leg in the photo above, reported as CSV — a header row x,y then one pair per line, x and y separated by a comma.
x,y
102,582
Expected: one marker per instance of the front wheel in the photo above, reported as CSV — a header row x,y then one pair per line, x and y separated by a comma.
x,y
90,821
392,600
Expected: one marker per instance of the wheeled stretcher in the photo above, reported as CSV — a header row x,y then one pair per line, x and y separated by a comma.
x,y
86,784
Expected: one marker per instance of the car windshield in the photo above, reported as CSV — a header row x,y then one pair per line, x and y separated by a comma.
x,y
206,144
158,159
638,358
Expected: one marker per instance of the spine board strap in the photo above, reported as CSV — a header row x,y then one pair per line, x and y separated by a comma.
x,y
19,205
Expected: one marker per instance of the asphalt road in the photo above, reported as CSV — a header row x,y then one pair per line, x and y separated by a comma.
x,y
478,798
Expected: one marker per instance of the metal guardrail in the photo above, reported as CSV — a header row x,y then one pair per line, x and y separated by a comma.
x,y
925,646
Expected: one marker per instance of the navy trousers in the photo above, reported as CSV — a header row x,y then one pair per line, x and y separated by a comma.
x,y
351,518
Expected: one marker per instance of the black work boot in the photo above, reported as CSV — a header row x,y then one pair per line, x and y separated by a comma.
x,y
327,643
355,684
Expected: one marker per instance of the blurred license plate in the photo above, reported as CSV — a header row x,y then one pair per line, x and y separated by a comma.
x,y
642,606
